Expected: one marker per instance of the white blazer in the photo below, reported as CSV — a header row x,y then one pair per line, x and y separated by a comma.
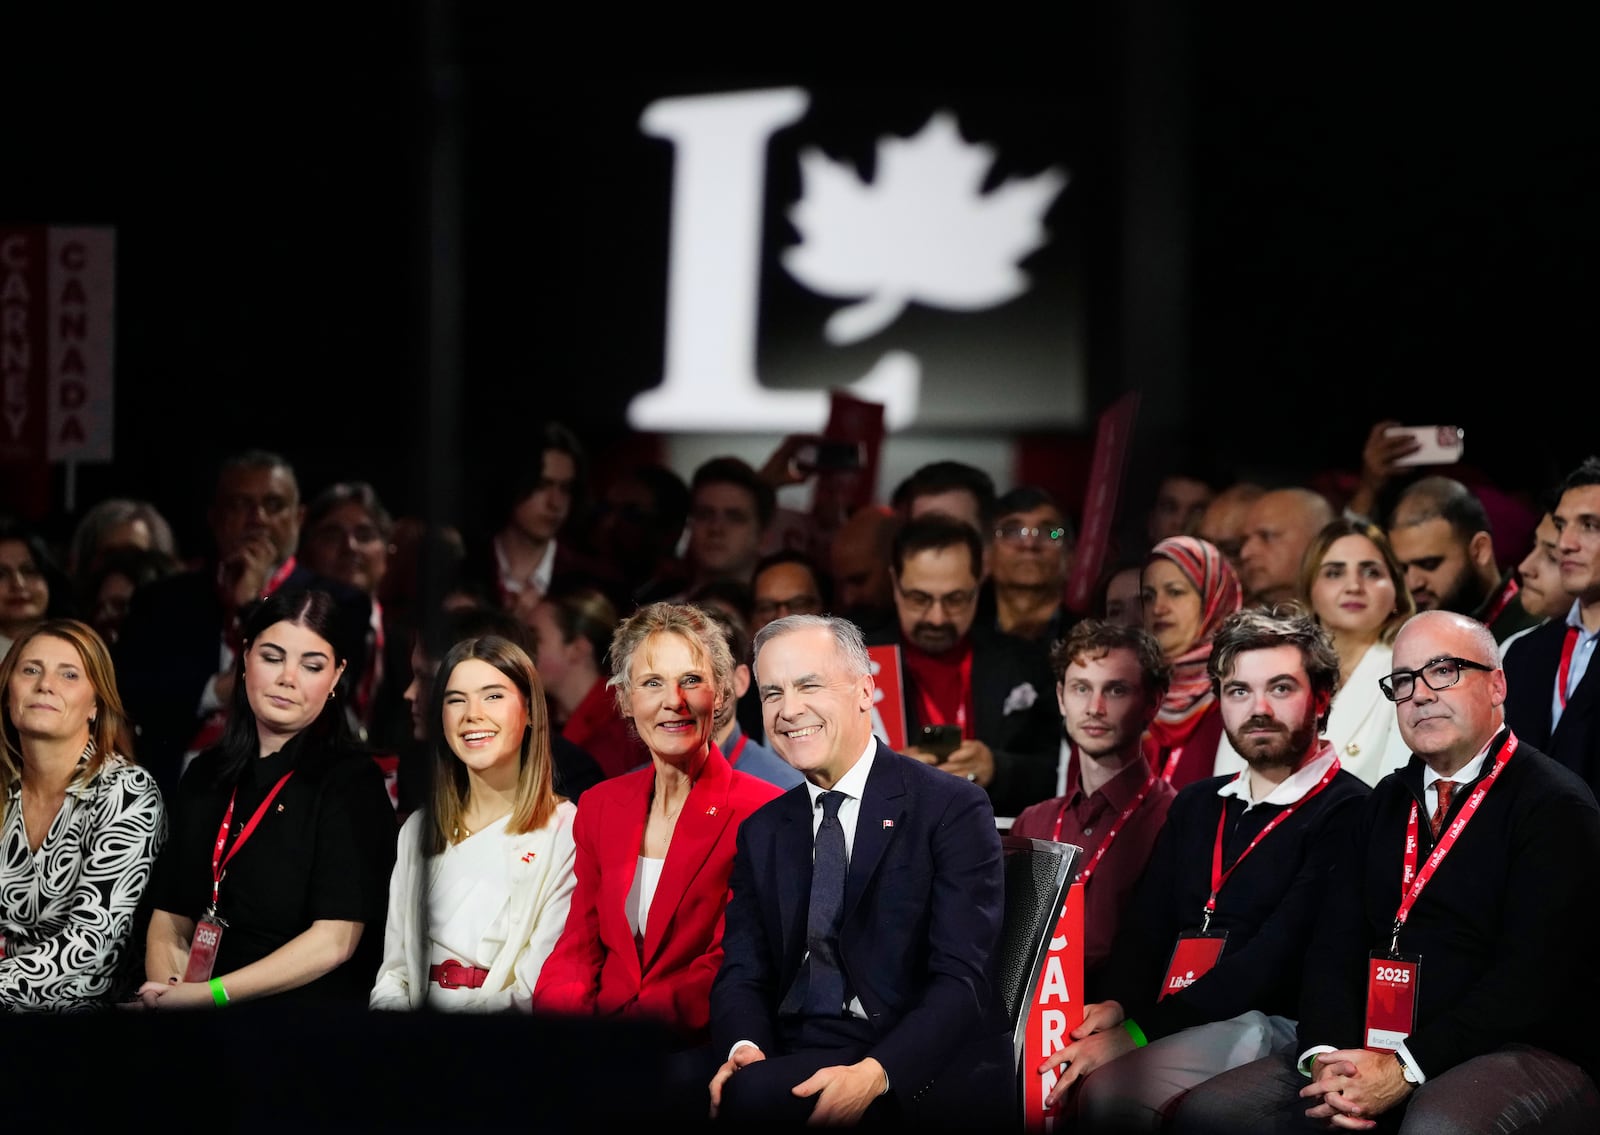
x,y
542,881
1362,725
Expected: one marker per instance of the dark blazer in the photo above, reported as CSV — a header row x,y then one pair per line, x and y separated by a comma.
x,y
1530,667
1504,958
595,967
1024,738
922,917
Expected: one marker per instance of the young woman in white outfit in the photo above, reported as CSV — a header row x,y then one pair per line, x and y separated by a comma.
x,y
484,877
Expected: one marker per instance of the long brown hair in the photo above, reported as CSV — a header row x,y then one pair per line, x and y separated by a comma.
x,y
1404,604
536,800
109,733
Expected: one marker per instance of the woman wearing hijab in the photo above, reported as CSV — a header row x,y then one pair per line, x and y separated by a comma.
x,y
1188,589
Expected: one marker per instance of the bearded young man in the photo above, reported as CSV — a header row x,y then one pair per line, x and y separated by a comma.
x,y
1206,971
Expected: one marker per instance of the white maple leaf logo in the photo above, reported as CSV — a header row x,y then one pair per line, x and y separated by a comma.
x,y
925,232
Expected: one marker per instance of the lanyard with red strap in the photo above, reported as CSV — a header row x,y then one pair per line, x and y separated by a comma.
x,y
1568,645
1218,875
738,748
1099,853
1411,880
1174,755
1507,594
932,714
219,861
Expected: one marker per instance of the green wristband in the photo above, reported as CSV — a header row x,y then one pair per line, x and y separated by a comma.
x,y
1139,1039
220,995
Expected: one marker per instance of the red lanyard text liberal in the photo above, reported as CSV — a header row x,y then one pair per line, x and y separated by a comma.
x,y
1411,880
1099,853
219,861
1218,875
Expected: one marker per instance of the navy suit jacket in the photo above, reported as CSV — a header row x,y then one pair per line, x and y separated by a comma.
x,y
923,903
1530,667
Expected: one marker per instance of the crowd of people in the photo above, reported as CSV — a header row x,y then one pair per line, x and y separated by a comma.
x,y
617,754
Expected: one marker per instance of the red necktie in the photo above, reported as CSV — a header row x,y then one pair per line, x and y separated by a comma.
x,y
1446,789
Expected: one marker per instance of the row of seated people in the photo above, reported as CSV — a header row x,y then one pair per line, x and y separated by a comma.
x,y
1226,957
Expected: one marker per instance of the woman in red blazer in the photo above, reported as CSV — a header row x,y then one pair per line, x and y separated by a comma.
x,y
655,846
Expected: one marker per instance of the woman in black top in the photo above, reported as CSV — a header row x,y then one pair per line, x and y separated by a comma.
x,y
283,837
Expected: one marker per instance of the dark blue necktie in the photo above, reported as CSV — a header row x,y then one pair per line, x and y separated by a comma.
x,y
829,865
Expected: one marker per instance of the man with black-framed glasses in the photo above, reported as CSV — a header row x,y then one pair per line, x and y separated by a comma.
x,y
992,689
1449,979
1031,555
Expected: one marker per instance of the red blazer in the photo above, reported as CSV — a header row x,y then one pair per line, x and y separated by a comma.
x,y
596,967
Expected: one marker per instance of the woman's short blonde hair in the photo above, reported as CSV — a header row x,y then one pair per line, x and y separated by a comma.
x,y
690,623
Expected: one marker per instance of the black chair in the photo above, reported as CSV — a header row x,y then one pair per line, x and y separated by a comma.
x,y
1038,873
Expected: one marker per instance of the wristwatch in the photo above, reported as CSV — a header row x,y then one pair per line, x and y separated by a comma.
x,y
1405,1069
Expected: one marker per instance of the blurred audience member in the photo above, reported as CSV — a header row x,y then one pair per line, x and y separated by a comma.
x,y
1440,533
80,825
788,583
107,588
1110,680
1030,558
1188,591
859,559
1277,531
953,488
117,522
1539,575
993,688
1119,600
488,868
573,629
1181,499
637,528
1223,522
346,537
32,587
730,507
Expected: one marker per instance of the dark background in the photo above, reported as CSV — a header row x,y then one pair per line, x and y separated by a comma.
x,y
384,240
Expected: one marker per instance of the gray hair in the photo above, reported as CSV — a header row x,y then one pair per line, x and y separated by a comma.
x,y
846,638
1481,636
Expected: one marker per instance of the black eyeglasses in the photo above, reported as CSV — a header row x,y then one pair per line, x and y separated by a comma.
x,y
1439,674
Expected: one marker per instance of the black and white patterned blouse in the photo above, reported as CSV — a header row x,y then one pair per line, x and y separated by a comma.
x,y
66,910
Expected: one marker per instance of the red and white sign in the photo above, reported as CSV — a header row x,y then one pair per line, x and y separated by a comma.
x,y
57,302
1055,1012
888,699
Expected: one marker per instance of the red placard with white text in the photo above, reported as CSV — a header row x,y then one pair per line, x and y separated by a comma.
x,y
888,700
1113,436
1055,1012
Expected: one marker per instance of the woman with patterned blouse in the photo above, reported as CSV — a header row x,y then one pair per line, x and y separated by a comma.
x,y
80,823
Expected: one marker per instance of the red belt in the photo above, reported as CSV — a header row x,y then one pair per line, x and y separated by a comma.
x,y
453,975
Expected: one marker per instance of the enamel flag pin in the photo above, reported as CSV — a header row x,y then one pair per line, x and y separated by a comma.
x,y
711,811
529,856
888,823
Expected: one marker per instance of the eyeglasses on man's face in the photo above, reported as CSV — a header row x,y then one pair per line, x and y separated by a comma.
x,y
1018,534
1439,674
952,603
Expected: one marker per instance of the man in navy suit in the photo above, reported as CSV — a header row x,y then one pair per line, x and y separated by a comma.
x,y
921,915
